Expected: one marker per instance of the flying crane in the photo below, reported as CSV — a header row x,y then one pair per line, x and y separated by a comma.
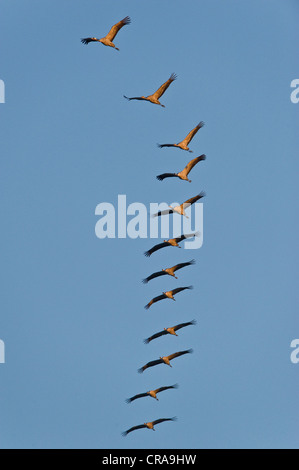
x,y
107,40
154,98
181,208
168,271
170,242
167,295
164,360
184,144
183,175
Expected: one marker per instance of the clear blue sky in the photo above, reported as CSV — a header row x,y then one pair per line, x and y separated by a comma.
x,y
72,315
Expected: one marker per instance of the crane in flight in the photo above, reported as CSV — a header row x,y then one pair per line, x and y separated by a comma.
x,y
107,40
167,295
168,271
154,98
164,360
149,425
171,331
181,208
184,144
151,393
170,242
183,175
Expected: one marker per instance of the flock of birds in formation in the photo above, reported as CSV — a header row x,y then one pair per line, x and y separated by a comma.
x,y
183,175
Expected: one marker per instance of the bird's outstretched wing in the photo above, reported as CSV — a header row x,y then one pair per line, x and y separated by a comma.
x,y
140,426
155,299
182,325
179,353
88,40
188,235
192,163
165,175
161,389
165,145
134,98
152,276
156,335
192,133
179,289
149,364
165,212
115,28
192,200
164,87
182,265
156,248
140,395
161,420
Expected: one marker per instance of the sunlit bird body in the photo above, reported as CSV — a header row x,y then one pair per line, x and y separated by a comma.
x,y
154,98
164,360
167,295
168,271
181,208
107,40
149,425
169,331
170,242
183,175
184,144
151,393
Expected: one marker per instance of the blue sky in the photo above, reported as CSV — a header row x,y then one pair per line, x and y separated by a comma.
x,y
72,305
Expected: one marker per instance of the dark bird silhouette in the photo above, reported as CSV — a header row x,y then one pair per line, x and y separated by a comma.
x,y
168,271
169,331
164,360
183,175
184,144
181,208
149,425
107,40
154,98
170,242
166,295
151,393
